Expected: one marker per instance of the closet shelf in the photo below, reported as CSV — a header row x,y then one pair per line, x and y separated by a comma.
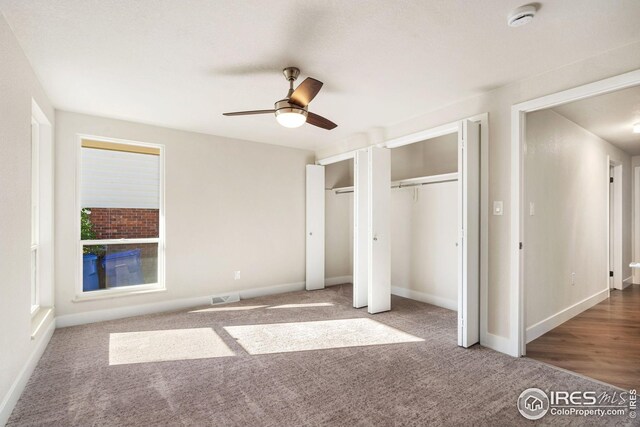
x,y
342,190
410,182
422,180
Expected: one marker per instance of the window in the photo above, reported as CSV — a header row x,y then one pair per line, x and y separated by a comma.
x,y
41,254
121,216
35,215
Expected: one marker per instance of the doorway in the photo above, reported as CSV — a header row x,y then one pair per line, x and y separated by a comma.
x,y
576,260
520,208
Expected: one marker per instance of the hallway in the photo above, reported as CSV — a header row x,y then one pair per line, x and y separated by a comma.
x,y
603,342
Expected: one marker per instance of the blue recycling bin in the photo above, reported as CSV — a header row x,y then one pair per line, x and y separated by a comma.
x,y
90,281
123,268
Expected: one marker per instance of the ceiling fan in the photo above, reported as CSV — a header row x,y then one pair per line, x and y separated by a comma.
x,y
293,111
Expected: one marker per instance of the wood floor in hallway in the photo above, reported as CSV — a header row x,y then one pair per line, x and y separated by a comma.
x,y
602,342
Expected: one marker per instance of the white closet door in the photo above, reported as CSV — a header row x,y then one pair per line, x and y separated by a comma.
x,y
361,229
469,236
379,195
315,227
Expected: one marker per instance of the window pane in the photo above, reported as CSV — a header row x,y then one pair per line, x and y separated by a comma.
x,y
120,193
119,223
119,265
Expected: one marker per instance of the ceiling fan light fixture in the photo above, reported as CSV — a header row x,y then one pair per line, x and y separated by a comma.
x,y
291,117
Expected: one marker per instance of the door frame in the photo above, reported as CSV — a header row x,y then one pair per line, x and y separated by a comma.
x,y
517,324
614,222
635,222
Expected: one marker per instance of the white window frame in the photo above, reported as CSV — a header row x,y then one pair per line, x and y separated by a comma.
x,y
35,217
160,240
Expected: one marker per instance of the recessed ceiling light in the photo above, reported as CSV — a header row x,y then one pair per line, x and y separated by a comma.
x,y
521,16
636,128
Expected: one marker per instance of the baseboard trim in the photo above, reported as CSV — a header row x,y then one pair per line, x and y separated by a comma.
x,y
272,290
496,342
338,280
12,396
626,282
171,305
425,297
553,321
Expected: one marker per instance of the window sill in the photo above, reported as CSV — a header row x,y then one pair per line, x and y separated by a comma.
x,y
117,293
39,320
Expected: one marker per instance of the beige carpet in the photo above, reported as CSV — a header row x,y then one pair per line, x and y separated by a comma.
x,y
186,368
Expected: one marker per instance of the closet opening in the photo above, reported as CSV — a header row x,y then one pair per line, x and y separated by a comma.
x,y
339,222
435,220
424,221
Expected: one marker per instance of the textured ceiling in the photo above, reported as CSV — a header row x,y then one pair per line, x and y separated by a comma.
x,y
181,64
609,116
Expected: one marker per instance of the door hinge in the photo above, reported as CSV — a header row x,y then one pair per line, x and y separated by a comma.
x,y
610,179
520,245
611,274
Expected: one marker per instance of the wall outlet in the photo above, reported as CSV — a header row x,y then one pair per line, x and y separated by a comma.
x,y
573,279
236,275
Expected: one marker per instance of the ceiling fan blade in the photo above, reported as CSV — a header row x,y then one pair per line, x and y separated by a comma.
x,y
321,122
305,92
249,113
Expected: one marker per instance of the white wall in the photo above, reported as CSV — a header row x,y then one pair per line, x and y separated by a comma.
x,y
566,177
424,257
338,234
434,156
230,205
498,104
18,352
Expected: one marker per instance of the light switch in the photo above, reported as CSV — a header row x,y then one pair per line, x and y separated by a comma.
x,y
497,208
532,208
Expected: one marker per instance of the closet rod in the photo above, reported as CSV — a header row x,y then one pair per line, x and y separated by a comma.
x,y
350,190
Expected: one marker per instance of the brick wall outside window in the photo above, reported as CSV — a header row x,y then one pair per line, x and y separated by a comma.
x,y
120,223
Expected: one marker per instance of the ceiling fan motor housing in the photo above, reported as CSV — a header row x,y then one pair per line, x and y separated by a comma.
x,y
284,106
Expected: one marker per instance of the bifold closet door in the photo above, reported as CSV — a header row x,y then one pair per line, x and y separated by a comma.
x,y
469,233
379,253
315,228
360,229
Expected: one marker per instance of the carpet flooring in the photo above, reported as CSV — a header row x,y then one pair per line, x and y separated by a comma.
x,y
414,382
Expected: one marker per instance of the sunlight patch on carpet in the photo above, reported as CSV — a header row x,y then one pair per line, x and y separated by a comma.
x,y
320,335
161,346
